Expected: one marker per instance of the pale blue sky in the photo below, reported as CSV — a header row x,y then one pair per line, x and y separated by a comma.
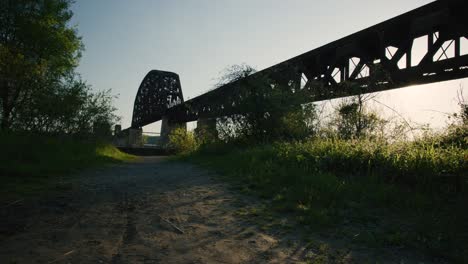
x,y
197,39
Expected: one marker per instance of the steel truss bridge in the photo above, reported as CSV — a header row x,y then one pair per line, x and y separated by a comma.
x,y
375,59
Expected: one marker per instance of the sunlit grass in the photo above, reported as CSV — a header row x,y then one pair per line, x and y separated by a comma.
x,y
410,193
111,152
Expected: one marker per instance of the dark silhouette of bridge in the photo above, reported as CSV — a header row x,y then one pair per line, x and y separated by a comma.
x,y
375,59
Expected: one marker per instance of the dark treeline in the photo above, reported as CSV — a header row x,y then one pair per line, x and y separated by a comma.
x,y
40,90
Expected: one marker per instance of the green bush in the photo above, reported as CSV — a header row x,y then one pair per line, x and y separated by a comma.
x,y
182,141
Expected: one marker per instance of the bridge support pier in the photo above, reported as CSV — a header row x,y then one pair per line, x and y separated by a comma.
x,y
167,126
128,138
135,137
206,129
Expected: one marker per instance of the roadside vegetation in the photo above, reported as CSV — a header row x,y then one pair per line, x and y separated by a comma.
x,y
353,175
32,164
51,121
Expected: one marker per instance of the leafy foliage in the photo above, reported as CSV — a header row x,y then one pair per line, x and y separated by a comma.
x,y
234,73
37,48
39,90
457,131
353,119
462,116
270,112
70,107
182,141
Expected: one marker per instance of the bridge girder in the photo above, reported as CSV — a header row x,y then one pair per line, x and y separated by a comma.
x,y
323,73
375,59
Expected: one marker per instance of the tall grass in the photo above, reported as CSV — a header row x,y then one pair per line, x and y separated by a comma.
x,y
421,164
415,192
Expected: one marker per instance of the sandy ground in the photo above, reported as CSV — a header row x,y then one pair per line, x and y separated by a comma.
x,y
154,211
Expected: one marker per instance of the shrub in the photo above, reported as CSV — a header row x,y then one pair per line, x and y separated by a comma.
x,y
182,141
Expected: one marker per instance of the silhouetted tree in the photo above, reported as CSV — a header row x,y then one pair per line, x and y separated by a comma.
x,y
354,120
39,89
270,110
234,73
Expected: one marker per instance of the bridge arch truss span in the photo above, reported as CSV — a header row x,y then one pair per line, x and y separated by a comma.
x,y
159,91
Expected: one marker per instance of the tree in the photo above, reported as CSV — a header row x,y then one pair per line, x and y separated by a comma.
x,y
68,107
354,120
182,141
270,111
234,73
38,49
457,130
462,116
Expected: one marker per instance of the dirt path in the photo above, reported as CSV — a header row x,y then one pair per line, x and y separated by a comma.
x,y
154,211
